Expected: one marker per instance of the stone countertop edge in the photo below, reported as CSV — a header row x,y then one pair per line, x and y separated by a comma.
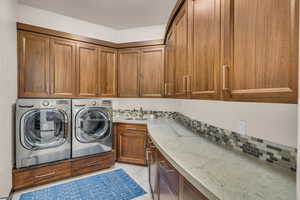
x,y
126,121
283,178
183,171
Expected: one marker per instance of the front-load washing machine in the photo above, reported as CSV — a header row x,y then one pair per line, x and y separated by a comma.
x,y
92,126
43,131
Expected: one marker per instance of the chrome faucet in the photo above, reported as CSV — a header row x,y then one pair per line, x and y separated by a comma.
x,y
141,113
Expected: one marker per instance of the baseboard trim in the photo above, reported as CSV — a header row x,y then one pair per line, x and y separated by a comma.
x,y
9,197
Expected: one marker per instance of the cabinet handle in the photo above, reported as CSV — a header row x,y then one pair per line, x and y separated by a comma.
x,y
225,69
148,153
189,84
184,84
46,175
166,89
90,165
134,129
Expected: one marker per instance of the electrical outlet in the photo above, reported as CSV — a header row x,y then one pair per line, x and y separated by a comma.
x,y
242,127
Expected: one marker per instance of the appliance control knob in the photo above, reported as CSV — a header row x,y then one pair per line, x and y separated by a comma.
x,y
46,103
94,103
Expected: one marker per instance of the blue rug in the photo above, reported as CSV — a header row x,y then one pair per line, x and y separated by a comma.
x,y
114,185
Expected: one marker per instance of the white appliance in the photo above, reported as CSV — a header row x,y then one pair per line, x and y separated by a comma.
x,y
43,131
92,126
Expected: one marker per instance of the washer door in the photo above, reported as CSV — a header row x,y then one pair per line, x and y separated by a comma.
x,y
43,129
92,124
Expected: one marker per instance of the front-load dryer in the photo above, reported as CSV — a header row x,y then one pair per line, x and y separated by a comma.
x,y
92,126
43,131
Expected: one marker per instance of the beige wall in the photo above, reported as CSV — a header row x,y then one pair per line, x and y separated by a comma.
x,y
8,90
51,20
274,122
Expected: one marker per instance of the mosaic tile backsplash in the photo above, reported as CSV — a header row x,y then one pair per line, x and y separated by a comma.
x,y
276,154
280,155
147,113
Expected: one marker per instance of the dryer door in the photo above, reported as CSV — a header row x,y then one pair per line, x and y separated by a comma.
x,y
92,124
43,128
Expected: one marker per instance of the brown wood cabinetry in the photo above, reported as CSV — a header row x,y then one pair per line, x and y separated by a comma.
x,y
128,72
87,70
38,175
131,143
141,72
46,173
180,27
33,64
62,68
152,72
170,64
55,67
92,163
204,48
247,52
108,72
152,162
260,54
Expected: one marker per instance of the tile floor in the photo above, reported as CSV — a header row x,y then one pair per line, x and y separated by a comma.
x,y
138,173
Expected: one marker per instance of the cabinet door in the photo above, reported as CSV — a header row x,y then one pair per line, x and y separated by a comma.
x,y
170,64
261,50
153,171
62,68
189,192
181,48
203,82
128,73
152,72
87,70
168,180
33,65
108,72
164,190
132,144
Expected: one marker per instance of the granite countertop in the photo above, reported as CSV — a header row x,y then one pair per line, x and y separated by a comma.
x,y
220,173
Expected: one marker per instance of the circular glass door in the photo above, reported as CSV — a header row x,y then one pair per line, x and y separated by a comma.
x,y
42,129
92,124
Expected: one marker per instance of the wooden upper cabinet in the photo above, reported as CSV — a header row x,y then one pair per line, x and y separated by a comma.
x,y
170,64
128,72
152,72
87,70
204,57
261,50
33,65
181,49
62,68
107,72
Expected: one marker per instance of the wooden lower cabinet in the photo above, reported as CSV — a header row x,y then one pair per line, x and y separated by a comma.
x,y
152,160
90,164
189,192
46,173
35,176
165,182
131,143
168,181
